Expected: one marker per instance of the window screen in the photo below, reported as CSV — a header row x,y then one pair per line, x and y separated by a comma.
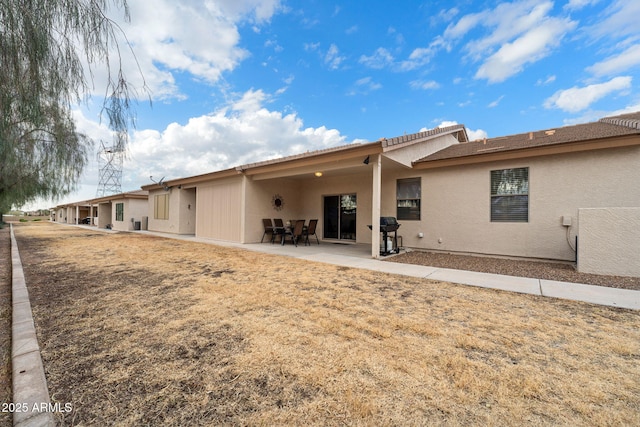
x,y
510,195
161,207
119,211
408,195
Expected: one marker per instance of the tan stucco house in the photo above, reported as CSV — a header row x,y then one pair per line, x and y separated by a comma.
x,y
521,195
121,212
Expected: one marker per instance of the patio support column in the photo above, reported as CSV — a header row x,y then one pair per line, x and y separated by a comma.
x,y
375,206
243,210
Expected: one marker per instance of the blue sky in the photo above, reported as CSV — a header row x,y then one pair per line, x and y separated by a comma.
x,y
236,81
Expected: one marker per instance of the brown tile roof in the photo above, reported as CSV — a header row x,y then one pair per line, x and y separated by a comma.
x,y
628,124
385,143
305,155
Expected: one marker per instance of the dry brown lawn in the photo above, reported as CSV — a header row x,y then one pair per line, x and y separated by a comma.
x,y
141,330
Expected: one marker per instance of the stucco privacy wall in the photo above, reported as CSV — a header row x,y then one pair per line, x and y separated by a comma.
x,y
104,215
456,203
609,241
219,209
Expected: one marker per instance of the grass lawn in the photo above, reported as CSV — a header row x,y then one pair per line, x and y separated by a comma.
x,y
141,330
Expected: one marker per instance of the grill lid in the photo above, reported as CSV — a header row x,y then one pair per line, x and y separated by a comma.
x,y
388,220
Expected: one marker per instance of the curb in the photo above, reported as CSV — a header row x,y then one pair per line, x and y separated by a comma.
x,y
30,392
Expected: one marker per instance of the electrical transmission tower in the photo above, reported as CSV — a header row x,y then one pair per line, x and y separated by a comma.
x,y
111,160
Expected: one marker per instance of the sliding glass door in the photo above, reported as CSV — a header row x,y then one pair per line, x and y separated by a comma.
x,y
340,217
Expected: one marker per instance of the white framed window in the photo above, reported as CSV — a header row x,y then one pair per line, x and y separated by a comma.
x,y
510,195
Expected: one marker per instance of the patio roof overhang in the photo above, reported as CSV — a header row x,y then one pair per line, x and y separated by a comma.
x,y
351,159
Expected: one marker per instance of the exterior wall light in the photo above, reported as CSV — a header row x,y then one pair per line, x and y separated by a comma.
x,y
318,174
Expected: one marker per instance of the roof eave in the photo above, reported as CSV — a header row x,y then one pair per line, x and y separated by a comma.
x,y
312,159
544,150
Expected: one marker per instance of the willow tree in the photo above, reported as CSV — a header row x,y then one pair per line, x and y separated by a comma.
x,y
48,52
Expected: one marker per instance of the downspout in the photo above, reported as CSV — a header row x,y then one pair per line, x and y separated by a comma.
x,y
375,206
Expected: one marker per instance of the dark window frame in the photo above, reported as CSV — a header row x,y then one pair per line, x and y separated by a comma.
x,y
510,195
409,199
119,211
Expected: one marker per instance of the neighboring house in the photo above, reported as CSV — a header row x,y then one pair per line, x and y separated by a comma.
x,y
71,213
123,212
519,195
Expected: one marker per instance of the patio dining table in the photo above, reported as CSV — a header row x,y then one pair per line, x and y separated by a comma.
x,y
287,229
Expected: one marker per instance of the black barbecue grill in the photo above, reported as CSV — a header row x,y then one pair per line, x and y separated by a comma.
x,y
388,225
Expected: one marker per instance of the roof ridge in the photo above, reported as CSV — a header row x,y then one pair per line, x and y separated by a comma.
x,y
300,155
419,135
630,123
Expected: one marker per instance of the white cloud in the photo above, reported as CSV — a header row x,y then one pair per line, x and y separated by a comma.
x,y
579,4
425,85
616,64
419,57
621,20
200,38
240,133
577,99
477,134
532,46
508,37
333,58
496,102
364,86
351,30
380,59
545,82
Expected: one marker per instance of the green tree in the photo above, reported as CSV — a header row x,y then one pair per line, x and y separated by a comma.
x,y
48,50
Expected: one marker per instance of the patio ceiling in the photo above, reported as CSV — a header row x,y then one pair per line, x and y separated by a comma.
x,y
343,167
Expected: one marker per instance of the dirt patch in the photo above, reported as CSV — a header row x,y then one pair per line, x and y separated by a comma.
x,y
138,330
6,418
563,272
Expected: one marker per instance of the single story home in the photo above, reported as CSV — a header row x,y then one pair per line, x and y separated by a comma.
x,y
121,212
559,194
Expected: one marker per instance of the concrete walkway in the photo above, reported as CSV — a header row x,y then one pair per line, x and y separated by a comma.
x,y
30,393
359,256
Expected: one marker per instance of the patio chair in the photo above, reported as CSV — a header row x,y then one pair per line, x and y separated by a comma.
x,y
278,229
311,231
268,228
295,232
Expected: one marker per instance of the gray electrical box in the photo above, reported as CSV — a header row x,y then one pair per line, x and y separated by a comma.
x,y
566,220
